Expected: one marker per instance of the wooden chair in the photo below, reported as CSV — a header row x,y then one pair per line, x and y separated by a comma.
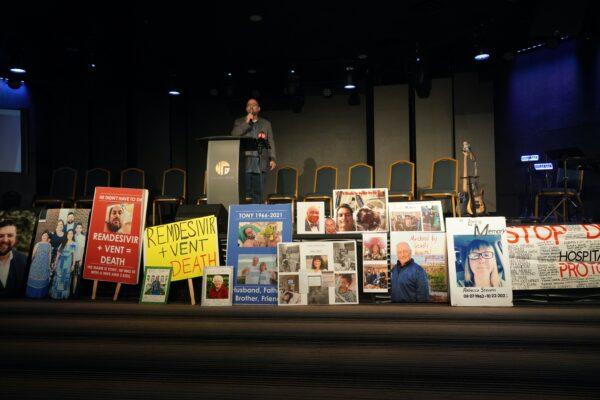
x,y
173,191
326,180
401,181
444,182
93,177
360,176
62,188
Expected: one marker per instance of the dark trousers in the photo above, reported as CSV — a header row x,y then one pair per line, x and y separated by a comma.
x,y
254,186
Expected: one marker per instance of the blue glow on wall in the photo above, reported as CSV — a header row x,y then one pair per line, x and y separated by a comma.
x,y
14,98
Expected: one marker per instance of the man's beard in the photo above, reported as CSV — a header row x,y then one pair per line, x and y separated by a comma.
x,y
5,249
114,227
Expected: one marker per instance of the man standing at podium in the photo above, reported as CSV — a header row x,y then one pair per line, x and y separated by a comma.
x,y
257,163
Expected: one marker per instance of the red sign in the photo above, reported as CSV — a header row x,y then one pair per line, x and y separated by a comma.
x,y
115,235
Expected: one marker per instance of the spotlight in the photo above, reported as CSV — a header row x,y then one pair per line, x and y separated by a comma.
x,y
481,56
18,70
174,92
349,79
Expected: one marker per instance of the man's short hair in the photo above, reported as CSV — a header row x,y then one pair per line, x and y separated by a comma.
x,y
7,222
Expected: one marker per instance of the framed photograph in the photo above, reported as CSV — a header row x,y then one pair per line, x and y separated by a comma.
x,y
217,286
361,210
155,288
310,217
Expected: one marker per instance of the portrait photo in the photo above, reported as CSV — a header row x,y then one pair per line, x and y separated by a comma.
x,y
346,288
288,257
375,278
310,217
316,263
289,289
118,218
217,286
374,247
480,260
344,256
259,234
155,288
257,269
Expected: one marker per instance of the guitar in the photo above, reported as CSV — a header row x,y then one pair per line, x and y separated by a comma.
x,y
472,193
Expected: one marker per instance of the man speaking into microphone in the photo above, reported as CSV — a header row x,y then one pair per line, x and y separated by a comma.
x,y
257,163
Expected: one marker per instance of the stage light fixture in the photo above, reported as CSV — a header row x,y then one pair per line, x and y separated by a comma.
x,y
481,56
327,92
14,84
174,92
362,56
256,18
349,85
18,70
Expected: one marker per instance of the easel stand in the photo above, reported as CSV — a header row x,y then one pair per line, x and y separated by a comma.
x,y
192,294
95,289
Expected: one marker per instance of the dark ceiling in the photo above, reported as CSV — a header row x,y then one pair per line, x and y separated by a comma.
x,y
145,43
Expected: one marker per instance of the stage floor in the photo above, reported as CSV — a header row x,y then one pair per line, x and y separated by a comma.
x,y
101,349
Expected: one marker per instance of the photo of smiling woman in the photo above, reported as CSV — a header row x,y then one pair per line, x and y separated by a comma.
x,y
482,262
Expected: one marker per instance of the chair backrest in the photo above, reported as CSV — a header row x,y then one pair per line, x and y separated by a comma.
x,y
133,178
360,175
401,176
95,177
444,174
326,178
174,182
287,181
574,178
64,182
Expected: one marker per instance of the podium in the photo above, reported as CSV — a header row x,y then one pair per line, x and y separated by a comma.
x,y
225,179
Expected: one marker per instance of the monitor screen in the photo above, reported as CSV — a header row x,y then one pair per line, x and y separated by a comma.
x,y
10,137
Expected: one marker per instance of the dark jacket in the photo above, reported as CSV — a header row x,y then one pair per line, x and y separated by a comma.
x,y
15,282
409,283
242,128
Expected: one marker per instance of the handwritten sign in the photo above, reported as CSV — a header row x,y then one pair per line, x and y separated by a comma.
x,y
186,246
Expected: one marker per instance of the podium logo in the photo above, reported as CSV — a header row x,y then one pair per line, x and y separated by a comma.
x,y
222,168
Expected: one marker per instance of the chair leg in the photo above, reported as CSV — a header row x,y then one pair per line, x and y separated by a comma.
x,y
453,206
536,211
153,213
159,213
565,210
581,207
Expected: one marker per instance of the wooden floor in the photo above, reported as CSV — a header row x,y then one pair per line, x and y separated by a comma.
x,y
80,349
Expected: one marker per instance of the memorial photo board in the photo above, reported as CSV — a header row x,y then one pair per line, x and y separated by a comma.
x,y
16,232
326,274
429,277
253,235
58,252
114,246
478,262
